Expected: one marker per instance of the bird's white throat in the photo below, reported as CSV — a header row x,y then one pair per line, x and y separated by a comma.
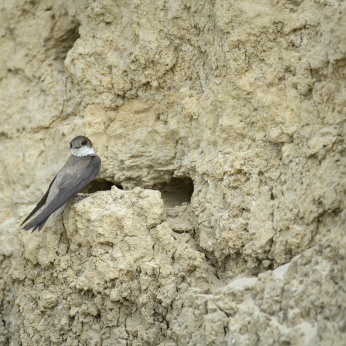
x,y
83,151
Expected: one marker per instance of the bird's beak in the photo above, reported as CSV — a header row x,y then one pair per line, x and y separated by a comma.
x,y
76,146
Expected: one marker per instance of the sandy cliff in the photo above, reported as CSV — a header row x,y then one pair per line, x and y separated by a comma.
x,y
218,217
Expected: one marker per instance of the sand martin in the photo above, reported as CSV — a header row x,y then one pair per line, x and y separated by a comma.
x,y
81,167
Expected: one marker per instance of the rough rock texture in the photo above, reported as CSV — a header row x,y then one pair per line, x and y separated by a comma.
x,y
235,111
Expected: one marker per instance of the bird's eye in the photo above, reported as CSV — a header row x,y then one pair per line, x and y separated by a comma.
x,y
70,145
84,142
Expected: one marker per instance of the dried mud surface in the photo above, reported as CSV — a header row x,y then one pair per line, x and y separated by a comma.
x,y
218,217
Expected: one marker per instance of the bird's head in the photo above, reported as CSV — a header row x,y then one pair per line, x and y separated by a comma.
x,y
81,146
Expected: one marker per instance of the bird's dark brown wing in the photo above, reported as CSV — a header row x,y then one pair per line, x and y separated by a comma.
x,y
39,204
69,187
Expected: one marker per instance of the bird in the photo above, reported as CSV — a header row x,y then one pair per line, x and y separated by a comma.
x,y
81,167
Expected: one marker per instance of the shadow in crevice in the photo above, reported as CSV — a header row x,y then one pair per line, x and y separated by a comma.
x,y
66,41
61,43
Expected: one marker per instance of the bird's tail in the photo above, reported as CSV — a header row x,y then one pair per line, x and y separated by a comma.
x,y
38,226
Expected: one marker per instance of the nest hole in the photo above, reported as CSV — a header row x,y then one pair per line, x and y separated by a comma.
x,y
176,191
99,185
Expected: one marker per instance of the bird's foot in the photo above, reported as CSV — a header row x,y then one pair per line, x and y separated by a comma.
x,y
80,198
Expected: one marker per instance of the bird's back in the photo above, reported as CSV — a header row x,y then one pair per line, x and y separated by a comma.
x,y
73,164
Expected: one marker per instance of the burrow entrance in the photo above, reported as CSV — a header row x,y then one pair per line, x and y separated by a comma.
x,y
176,195
99,185
176,191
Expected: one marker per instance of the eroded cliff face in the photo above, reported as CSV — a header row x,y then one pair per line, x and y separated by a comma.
x,y
224,123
